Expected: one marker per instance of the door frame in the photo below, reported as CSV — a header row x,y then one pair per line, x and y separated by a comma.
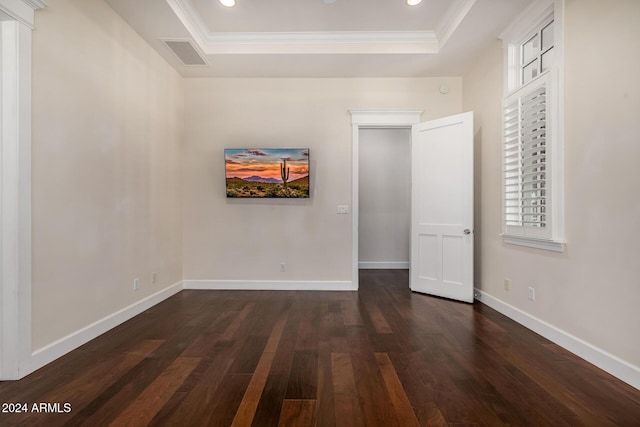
x,y
16,25
370,119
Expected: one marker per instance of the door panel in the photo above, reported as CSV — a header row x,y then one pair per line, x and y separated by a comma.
x,y
442,207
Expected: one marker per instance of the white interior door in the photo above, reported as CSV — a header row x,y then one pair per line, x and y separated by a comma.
x,y
442,207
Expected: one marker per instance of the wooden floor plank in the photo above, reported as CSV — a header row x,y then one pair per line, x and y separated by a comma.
x,y
325,402
298,413
154,397
270,405
249,404
163,415
351,313
378,320
348,412
229,395
344,384
372,392
248,355
284,353
303,378
399,399
346,402
201,399
429,415
237,322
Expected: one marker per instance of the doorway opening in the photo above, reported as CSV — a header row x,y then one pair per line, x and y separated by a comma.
x,y
384,198
401,120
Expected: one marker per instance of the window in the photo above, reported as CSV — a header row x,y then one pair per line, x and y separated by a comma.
x,y
532,136
536,54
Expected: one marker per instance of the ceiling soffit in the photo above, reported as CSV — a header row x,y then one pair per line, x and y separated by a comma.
x,y
320,42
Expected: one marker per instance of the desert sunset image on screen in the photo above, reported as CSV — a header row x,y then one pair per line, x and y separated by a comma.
x,y
267,172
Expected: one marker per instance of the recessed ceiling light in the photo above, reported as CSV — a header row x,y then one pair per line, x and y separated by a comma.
x,y
228,3
414,2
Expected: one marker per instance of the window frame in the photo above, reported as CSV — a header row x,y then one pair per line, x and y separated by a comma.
x,y
539,56
533,20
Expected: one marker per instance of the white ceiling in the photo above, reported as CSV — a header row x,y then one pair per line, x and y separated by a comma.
x,y
308,38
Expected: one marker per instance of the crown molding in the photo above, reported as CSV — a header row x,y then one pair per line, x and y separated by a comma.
x,y
36,4
452,20
325,36
191,19
329,42
21,10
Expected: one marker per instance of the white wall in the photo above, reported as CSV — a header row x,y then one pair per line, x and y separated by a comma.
x,y
590,291
107,116
248,239
385,197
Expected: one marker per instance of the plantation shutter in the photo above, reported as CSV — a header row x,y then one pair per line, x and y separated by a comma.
x,y
525,160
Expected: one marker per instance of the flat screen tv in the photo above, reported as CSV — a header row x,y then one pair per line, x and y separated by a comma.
x,y
267,172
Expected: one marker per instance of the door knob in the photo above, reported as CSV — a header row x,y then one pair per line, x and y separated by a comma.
x,y
467,231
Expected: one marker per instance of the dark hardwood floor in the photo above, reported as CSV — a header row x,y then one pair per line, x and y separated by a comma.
x,y
379,357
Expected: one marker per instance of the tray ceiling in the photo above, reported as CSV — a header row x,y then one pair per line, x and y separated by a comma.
x,y
308,38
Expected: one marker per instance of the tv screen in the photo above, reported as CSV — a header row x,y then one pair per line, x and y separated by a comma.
x,y
267,172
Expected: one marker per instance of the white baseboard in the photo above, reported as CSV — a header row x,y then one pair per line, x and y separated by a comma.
x,y
607,362
270,285
48,354
377,265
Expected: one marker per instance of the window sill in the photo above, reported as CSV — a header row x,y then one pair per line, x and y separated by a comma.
x,y
548,245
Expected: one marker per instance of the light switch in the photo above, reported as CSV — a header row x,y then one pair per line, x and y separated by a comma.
x,y
343,209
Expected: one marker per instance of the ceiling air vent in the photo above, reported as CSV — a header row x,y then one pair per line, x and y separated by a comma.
x,y
185,52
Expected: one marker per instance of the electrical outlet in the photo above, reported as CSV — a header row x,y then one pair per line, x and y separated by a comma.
x,y
136,284
532,293
154,278
343,209
507,285
283,267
